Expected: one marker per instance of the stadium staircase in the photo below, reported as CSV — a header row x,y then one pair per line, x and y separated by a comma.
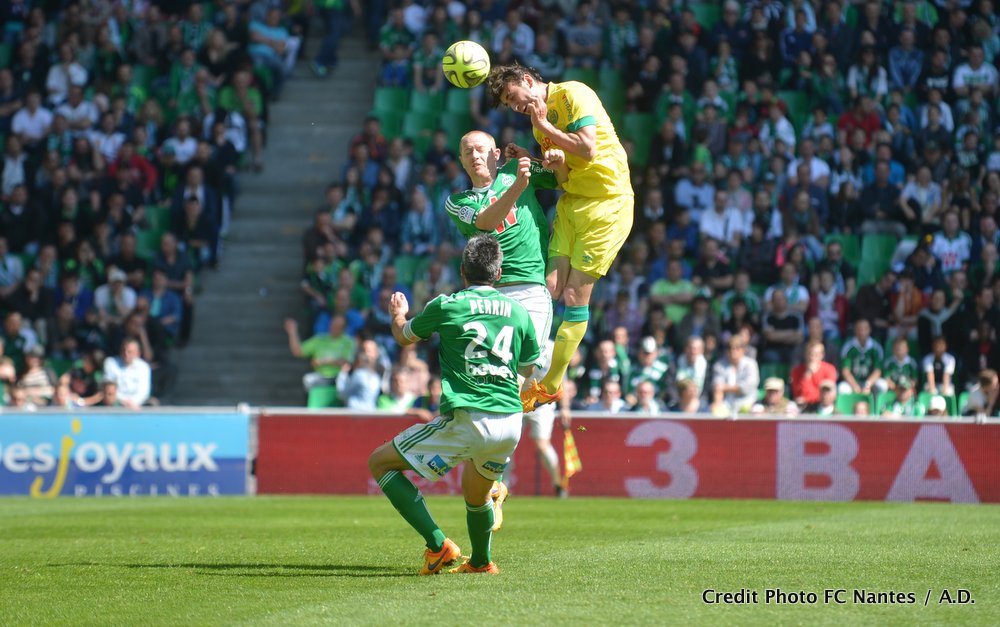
x,y
238,350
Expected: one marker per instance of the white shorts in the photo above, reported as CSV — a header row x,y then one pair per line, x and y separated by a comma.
x,y
485,438
540,421
537,300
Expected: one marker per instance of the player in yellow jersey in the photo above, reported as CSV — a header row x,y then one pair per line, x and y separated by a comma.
x,y
593,216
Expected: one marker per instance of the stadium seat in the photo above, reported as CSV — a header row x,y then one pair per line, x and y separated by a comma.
x,y
610,78
782,371
323,396
419,127
639,129
584,75
707,13
455,125
391,122
391,99
883,401
798,108
158,217
60,366
845,403
457,101
4,54
963,402
143,75
849,242
613,98
876,255
951,402
406,268
427,102
147,243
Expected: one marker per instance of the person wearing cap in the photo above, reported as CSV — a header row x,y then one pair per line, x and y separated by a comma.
x,y
774,402
649,367
827,404
114,300
937,407
905,404
37,380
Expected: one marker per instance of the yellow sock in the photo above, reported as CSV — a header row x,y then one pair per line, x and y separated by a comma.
x,y
568,338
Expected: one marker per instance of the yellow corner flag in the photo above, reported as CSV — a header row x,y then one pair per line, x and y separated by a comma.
x,y
571,459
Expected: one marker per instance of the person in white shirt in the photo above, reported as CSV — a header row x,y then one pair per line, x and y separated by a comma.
x,y
521,35
32,122
106,139
64,74
182,143
976,73
776,127
695,192
79,113
951,246
723,223
131,373
819,171
114,300
11,270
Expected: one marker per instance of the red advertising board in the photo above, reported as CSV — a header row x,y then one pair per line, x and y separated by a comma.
x,y
684,458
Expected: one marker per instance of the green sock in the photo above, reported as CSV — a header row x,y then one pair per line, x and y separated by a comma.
x,y
409,502
480,521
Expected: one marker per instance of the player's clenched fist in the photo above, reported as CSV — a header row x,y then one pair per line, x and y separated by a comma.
x,y
553,159
398,306
513,151
523,169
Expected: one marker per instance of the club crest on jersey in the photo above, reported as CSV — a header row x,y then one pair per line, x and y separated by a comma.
x,y
506,180
553,116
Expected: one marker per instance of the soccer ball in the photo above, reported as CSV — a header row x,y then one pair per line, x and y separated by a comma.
x,y
465,64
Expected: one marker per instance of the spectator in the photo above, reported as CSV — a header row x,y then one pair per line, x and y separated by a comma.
x,y
827,405
783,332
861,362
329,353
336,16
695,193
939,368
724,223
359,386
131,374
735,378
808,377
900,365
774,402
273,47
984,397
937,407
692,365
114,300
165,305
610,401
38,381
952,246
699,322
646,402
905,404
907,303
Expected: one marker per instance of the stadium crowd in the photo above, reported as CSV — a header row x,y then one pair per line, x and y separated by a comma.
x,y
124,128
816,182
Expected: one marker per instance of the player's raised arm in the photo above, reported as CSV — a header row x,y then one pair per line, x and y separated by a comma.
x,y
555,160
398,308
581,142
491,217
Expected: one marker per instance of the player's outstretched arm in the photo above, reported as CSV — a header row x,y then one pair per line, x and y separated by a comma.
x,y
398,308
491,217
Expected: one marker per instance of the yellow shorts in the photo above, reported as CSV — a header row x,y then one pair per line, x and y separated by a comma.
x,y
591,231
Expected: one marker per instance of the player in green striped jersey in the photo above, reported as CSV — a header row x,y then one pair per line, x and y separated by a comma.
x,y
487,340
502,202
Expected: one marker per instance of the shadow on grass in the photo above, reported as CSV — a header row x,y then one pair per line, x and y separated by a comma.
x,y
267,570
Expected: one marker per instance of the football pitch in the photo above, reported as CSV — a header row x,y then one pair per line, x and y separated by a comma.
x,y
352,560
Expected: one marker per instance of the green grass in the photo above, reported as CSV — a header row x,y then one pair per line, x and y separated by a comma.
x,y
351,560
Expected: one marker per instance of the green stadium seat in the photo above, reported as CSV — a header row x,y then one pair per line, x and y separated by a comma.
x,y
457,101
323,396
951,402
427,102
419,127
455,125
391,122
583,75
883,401
798,108
849,242
406,268
158,217
876,256
781,371
707,13
60,366
639,128
4,54
963,402
391,99
613,98
147,243
143,75
845,403
610,78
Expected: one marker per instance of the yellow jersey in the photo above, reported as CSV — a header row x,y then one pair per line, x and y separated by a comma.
x,y
572,106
